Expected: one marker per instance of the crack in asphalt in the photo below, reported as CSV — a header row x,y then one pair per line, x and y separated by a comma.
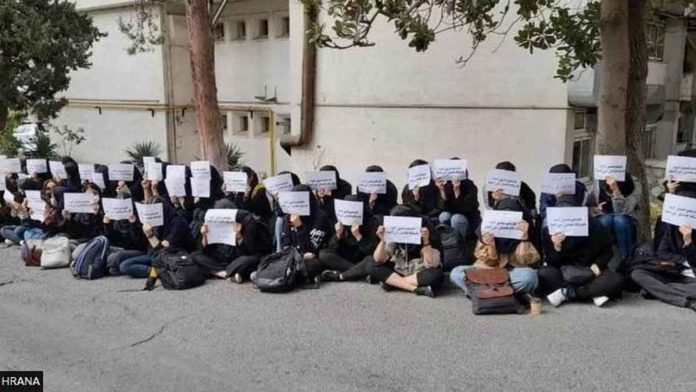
x,y
9,282
153,336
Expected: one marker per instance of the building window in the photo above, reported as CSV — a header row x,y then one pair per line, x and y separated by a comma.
x,y
240,125
649,141
284,27
239,31
266,125
223,118
579,120
655,40
582,157
219,32
262,28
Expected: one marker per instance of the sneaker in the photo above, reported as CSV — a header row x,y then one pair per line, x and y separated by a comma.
x,y
331,276
252,277
557,297
386,287
238,278
425,290
9,243
599,301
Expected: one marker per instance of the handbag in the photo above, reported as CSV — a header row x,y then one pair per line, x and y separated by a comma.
x,y
56,252
576,275
490,291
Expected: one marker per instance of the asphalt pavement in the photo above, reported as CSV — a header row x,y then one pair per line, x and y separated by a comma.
x,y
107,335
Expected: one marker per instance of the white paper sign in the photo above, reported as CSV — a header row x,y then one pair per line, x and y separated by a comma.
x,y
349,212
220,224
200,169
98,180
221,215
502,224
8,196
200,186
57,169
681,169
235,181
175,186
154,171
33,197
86,171
373,182
277,184
508,181
12,165
121,172
3,183
418,176
148,160
679,210
610,166
150,214
450,169
117,209
321,180
176,172
402,229
558,183
38,210
79,203
294,203
37,166
571,221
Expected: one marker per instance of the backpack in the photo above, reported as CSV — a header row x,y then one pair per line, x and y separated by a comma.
x,y
490,291
281,272
453,248
56,252
90,262
31,252
176,270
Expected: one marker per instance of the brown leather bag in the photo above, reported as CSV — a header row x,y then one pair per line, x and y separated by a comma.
x,y
33,257
496,280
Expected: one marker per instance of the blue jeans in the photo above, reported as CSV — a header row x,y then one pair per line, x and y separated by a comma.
x,y
34,234
457,222
136,267
522,279
13,233
623,228
278,233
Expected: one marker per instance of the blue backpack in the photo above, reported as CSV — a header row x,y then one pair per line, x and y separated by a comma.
x,y
91,262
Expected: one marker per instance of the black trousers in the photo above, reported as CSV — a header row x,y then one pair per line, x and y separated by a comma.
x,y
361,270
608,283
670,288
327,260
244,265
432,277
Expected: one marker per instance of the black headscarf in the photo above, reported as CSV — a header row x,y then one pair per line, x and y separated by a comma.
x,y
313,203
295,178
385,201
508,245
343,187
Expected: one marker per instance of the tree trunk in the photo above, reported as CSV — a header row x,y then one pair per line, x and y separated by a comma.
x,y
615,63
208,119
636,107
3,116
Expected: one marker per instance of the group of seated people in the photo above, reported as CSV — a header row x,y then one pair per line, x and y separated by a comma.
x,y
336,253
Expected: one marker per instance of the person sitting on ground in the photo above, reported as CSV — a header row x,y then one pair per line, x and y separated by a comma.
x,y
670,275
548,200
239,261
577,267
459,204
413,268
527,196
615,204
254,199
349,253
380,204
326,197
424,199
517,256
202,204
278,219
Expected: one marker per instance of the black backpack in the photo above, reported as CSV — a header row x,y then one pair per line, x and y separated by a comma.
x,y
176,270
490,291
281,272
452,246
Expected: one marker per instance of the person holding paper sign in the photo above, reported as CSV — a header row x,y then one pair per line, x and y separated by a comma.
x,y
174,233
548,200
308,234
279,217
70,180
13,230
202,204
327,196
425,198
126,234
577,267
670,274
254,198
413,268
517,256
239,261
459,204
615,204
527,196
349,253
380,203
14,234
83,226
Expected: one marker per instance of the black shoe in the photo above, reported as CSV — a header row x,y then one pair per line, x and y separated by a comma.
x,y
237,278
331,276
386,287
691,305
425,290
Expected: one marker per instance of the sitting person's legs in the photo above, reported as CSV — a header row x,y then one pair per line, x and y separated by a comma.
x,y
136,267
624,227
